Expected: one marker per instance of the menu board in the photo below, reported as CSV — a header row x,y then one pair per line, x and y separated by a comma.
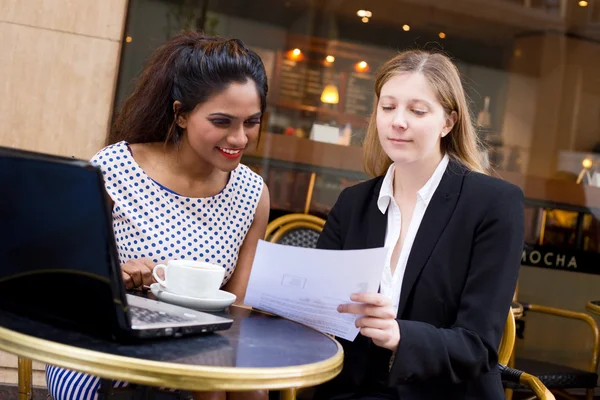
x,y
359,94
302,84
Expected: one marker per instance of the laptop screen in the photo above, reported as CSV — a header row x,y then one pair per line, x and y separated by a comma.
x,y
56,250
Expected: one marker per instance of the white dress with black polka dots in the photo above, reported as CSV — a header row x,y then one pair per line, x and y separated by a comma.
x,y
151,221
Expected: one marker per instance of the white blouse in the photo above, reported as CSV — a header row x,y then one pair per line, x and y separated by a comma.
x,y
391,284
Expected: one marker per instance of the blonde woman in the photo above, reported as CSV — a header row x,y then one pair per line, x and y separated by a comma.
x,y
454,237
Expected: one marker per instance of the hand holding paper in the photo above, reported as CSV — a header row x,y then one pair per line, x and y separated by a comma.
x,y
308,285
377,318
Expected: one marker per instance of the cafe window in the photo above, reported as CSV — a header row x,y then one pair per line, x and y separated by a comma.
x,y
531,82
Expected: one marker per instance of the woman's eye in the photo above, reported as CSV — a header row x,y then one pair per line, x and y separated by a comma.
x,y
387,108
221,122
252,122
419,112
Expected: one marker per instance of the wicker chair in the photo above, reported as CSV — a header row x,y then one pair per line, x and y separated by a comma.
x,y
300,230
507,343
556,377
521,378
303,230
513,377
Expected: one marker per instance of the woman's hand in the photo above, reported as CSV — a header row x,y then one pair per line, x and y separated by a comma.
x,y
377,318
137,273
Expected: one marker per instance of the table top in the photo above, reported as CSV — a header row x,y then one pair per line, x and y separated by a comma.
x,y
259,351
593,306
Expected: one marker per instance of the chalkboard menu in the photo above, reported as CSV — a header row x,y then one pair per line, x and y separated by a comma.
x,y
301,83
359,94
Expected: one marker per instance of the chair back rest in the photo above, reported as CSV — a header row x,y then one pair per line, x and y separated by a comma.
x,y
300,230
507,343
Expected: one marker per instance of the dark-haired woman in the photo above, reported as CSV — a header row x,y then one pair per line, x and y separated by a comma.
x,y
172,170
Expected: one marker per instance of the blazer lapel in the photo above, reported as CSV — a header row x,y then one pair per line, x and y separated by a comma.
x,y
434,221
376,222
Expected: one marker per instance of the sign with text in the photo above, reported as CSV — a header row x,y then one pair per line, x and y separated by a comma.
x,y
560,258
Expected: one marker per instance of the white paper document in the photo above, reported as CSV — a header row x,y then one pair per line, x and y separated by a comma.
x,y
306,285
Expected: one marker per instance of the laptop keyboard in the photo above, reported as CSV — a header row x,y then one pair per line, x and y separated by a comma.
x,y
152,317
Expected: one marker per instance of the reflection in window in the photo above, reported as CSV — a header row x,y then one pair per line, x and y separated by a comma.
x,y
576,230
533,91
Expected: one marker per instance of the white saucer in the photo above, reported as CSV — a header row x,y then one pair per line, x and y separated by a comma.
x,y
219,302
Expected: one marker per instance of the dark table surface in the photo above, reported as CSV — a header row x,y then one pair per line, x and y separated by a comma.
x,y
254,341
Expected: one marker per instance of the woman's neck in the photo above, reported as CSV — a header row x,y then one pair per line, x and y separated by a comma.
x,y
183,161
193,176
409,178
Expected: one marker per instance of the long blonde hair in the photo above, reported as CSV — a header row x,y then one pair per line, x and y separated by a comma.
x,y
461,143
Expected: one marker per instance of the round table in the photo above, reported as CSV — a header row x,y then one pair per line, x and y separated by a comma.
x,y
593,306
259,351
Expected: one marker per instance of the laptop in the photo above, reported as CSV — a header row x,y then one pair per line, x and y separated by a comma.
x,y
58,256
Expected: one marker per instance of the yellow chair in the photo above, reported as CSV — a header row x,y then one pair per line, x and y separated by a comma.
x,y
301,230
512,375
593,306
285,229
558,377
525,379
507,343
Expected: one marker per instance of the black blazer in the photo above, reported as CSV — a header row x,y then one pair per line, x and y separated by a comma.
x,y
456,292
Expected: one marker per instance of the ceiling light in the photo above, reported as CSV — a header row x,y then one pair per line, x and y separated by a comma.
x,y
295,54
330,59
364,13
442,35
128,39
365,20
330,95
583,3
361,66
406,28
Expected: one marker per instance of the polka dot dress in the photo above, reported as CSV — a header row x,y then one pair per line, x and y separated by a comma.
x,y
149,220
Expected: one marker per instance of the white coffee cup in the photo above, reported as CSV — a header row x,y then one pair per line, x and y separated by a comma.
x,y
190,278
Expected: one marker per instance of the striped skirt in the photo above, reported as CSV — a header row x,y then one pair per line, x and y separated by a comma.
x,y
65,384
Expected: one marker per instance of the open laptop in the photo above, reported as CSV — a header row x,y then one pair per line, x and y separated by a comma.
x,y
58,256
